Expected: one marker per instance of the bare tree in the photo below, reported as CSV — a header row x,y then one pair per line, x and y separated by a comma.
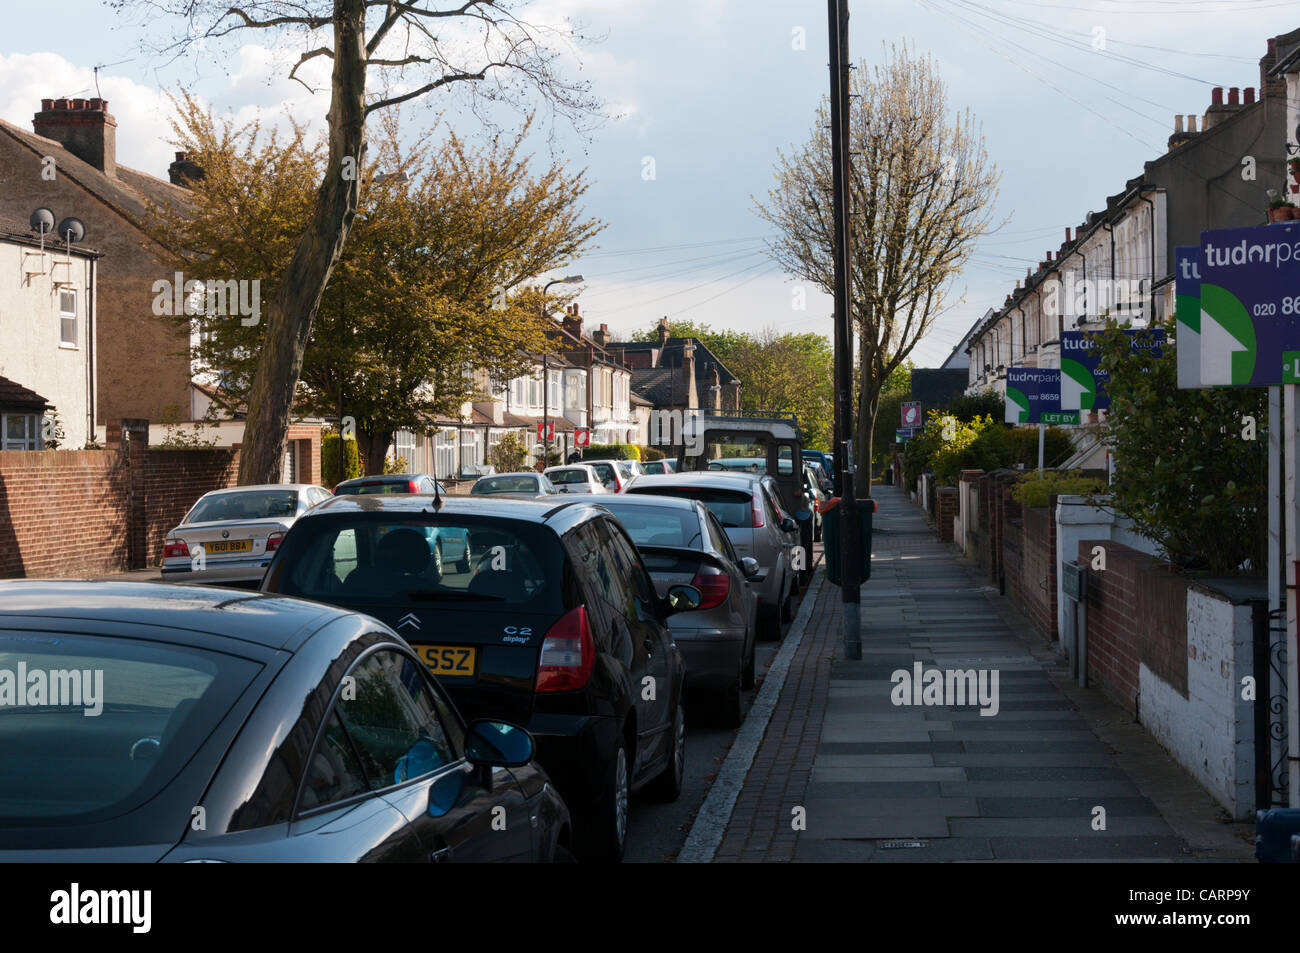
x,y
921,192
411,48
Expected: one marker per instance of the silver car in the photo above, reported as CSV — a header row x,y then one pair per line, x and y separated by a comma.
x,y
682,543
530,484
746,506
575,478
230,536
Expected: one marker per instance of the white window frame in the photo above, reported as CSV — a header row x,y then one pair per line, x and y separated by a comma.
x,y
66,316
444,455
32,428
405,445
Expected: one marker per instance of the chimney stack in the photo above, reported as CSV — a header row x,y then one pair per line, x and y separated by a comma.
x,y
663,331
184,171
83,127
601,337
1068,239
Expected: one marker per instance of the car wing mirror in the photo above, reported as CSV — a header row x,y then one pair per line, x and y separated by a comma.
x,y
498,743
750,568
682,599
789,525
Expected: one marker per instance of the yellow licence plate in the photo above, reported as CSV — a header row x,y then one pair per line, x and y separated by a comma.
x,y
229,546
448,659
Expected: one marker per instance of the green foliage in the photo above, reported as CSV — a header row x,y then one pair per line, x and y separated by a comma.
x,y
651,453
1185,474
611,451
1035,488
329,458
551,459
949,445
897,389
509,455
177,436
954,451
985,403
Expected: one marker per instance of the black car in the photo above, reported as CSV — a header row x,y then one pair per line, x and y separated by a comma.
x,y
204,724
390,483
558,628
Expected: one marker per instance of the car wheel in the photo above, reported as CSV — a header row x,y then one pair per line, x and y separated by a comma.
x,y
787,607
769,623
606,838
668,786
747,673
731,709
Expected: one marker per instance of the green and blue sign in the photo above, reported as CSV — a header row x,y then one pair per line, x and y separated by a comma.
x,y
1083,382
1034,397
1187,313
1249,331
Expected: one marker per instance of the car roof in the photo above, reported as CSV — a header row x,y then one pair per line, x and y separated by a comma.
x,y
263,486
386,477
722,478
512,473
269,620
520,508
619,499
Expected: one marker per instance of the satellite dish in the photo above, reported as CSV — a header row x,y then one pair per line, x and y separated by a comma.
x,y
42,220
71,230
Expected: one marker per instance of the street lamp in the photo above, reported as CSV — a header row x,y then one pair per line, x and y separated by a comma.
x,y
546,374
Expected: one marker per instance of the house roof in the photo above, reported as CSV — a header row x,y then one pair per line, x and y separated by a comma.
x,y
128,194
655,385
671,356
16,396
13,230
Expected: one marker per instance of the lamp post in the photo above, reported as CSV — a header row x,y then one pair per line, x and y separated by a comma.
x,y
546,374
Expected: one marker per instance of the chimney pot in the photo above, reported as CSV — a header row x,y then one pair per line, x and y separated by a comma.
x,y
1234,96
47,104
98,104
61,104
1249,95
575,307
1067,234
1216,96
180,157
1178,124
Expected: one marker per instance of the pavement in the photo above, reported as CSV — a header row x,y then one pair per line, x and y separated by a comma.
x,y
828,768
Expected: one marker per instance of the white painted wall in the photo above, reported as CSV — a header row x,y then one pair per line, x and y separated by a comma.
x,y
1211,731
31,350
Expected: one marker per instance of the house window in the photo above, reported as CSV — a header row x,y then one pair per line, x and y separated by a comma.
x,y
471,448
404,444
444,454
68,317
553,389
534,392
20,432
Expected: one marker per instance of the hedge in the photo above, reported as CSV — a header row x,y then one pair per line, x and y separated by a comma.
x,y
329,459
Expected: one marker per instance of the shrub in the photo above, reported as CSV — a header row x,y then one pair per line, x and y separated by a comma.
x,y
969,407
611,451
651,453
1034,489
509,455
329,458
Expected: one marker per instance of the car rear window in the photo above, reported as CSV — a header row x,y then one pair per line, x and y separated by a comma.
x,y
252,505
505,484
364,558
377,486
731,507
603,470
92,726
559,477
658,525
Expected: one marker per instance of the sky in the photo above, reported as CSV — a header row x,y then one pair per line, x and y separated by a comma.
x,y
701,95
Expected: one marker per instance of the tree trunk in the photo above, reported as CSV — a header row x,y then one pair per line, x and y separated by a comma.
x,y
374,448
868,404
289,322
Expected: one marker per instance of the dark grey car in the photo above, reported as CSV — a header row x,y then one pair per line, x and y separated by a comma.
x,y
682,543
243,727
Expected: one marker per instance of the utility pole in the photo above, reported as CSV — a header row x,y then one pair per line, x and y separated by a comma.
x,y
850,537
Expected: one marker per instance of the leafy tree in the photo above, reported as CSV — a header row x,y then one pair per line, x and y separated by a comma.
x,y
921,187
1188,471
416,305
897,390
982,403
411,49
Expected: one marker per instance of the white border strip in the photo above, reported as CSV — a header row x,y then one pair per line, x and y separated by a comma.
x,y
715,813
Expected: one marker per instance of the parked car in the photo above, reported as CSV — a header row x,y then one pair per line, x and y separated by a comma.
x,y
816,496
824,481
390,483
454,547
616,474
513,484
659,466
296,731
229,536
559,629
682,542
746,506
739,464
575,478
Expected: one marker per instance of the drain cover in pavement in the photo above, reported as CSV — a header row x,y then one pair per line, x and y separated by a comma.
x,y
894,844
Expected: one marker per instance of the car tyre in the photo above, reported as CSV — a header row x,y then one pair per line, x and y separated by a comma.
x,y
731,709
747,673
769,623
668,785
787,607
606,837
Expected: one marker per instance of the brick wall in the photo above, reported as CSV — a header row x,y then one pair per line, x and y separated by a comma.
x,y
1033,587
1136,614
91,512
945,510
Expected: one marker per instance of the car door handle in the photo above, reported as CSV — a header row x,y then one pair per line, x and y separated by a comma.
x,y
649,646
441,856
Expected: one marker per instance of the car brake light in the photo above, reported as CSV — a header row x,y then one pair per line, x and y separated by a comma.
x,y
336,489
714,584
412,487
757,504
273,542
568,654
175,548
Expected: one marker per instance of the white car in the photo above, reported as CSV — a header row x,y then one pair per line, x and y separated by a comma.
x,y
575,478
229,536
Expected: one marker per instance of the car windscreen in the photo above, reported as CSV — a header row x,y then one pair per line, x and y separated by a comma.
x,y
731,507
604,471
559,477
363,558
505,484
658,525
250,505
377,486
93,726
